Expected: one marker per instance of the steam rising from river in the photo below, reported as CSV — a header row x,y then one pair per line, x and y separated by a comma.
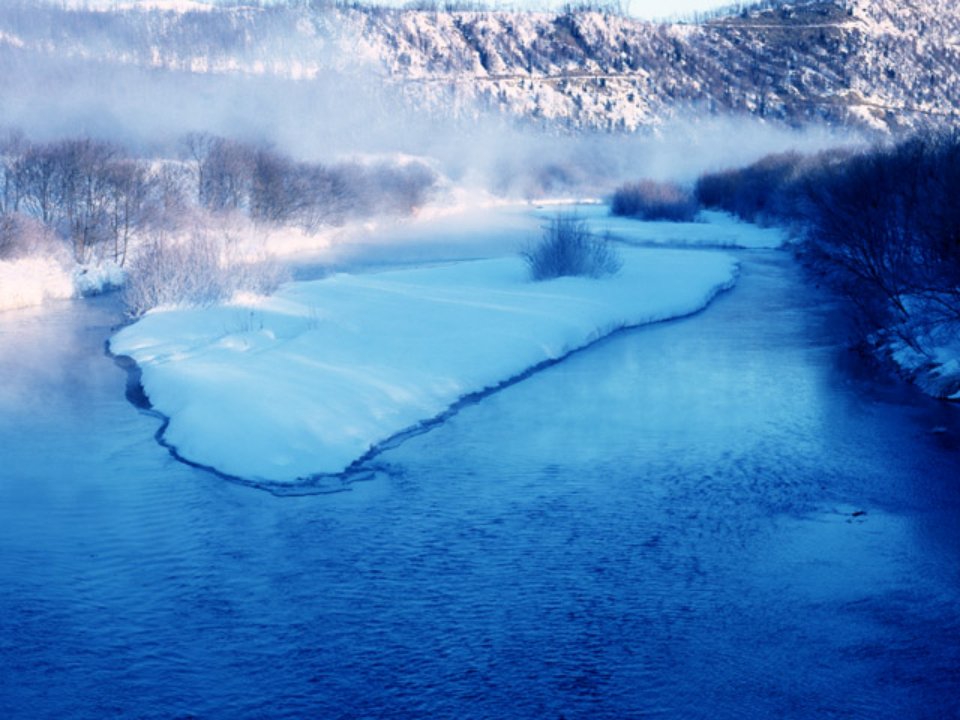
x,y
342,113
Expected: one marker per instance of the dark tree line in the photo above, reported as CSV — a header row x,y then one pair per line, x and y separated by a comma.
x,y
888,222
651,200
883,224
767,190
97,198
90,193
272,187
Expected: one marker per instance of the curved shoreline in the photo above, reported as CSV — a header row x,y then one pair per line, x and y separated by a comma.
x,y
360,469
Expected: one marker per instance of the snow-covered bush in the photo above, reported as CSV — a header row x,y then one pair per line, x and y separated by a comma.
x,y
98,278
651,200
34,263
567,248
197,269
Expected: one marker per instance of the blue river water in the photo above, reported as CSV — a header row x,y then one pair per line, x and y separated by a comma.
x,y
719,517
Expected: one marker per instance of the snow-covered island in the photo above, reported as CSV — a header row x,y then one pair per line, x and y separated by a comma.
x,y
307,382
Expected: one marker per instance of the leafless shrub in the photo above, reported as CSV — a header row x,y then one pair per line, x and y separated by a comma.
x,y
199,269
567,248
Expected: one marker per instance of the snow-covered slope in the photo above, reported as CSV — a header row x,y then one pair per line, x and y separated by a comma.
x,y
873,63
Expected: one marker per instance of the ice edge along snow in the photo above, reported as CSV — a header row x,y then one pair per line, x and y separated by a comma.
x,y
306,388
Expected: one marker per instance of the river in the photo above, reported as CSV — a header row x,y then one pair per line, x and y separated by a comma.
x,y
718,517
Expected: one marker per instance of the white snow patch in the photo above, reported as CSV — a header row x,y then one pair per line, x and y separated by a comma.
x,y
933,358
31,281
94,279
307,381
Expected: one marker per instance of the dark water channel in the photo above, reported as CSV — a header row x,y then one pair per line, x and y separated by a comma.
x,y
711,518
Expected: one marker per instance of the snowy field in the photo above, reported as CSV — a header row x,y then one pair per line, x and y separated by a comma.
x,y
307,381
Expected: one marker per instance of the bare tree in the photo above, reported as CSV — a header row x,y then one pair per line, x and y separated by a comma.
x,y
227,175
275,193
131,204
12,148
85,175
198,146
36,174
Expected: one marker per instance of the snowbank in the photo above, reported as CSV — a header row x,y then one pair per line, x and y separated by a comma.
x,y
31,281
95,279
307,381
933,360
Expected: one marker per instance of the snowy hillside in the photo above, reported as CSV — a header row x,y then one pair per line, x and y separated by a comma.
x,y
872,63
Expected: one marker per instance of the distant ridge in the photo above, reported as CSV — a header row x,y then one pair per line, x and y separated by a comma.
x,y
871,64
